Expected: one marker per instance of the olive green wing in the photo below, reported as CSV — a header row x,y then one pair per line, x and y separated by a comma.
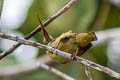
x,y
83,50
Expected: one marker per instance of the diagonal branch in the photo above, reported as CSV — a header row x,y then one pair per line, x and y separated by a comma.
x,y
23,69
55,71
52,18
64,54
19,70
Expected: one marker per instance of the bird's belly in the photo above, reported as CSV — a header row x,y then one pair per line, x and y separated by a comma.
x,y
56,58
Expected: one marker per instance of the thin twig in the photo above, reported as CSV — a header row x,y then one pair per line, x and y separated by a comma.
x,y
52,18
13,71
19,70
64,54
55,71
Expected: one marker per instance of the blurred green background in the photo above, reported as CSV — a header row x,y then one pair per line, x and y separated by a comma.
x,y
84,16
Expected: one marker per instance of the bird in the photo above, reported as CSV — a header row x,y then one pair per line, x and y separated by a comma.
x,y
74,43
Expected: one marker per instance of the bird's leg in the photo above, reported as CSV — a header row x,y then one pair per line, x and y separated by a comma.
x,y
77,50
72,56
87,72
57,45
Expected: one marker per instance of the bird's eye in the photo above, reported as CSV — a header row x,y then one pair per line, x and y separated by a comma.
x,y
66,38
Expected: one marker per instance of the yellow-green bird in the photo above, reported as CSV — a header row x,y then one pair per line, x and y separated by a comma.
x,y
73,43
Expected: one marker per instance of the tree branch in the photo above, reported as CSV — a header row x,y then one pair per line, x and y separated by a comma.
x,y
64,54
55,71
18,70
22,69
52,18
